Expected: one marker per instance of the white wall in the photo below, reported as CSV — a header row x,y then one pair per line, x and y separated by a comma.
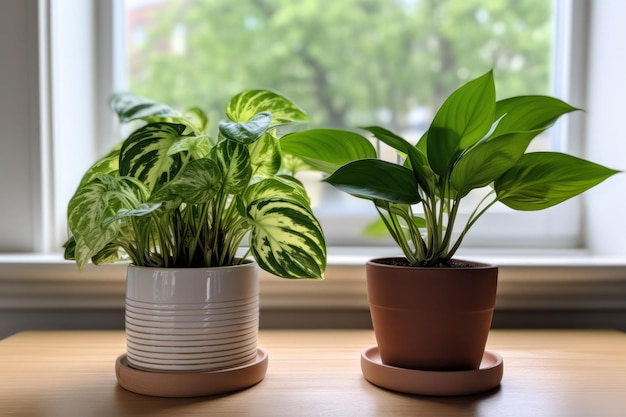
x,y
606,125
19,125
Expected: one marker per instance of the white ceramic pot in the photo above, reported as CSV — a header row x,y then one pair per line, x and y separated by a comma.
x,y
192,319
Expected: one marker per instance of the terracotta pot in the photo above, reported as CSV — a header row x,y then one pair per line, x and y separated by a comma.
x,y
434,319
192,319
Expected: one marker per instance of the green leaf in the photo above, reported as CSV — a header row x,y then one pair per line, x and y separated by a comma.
x,y
69,252
109,164
94,202
463,119
246,104
286,239
109,254
527,113
377,228
197,146
376,179
198,118
287,187
543,179
196,183
129,106
246,132
486,161
145,154
265,157
141,210
327,149
419,162
233,161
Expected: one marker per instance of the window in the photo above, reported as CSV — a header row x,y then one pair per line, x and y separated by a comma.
x,y
57,72
358,63
63,106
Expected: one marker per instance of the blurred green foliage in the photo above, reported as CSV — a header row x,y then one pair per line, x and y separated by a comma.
x,y
346,62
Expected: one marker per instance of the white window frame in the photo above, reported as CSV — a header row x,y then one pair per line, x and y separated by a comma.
x,y
591,277
558,227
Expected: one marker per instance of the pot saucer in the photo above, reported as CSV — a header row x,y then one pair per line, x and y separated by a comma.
x,y
445,383
191,384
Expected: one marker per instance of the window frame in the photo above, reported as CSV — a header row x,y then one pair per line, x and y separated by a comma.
x,y
66,97
584,279
557,227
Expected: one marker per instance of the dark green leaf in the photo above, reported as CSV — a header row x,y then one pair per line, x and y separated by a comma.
x,y
69,252
376,179
327,149
527,113
543,179
486,161
418,160
463,119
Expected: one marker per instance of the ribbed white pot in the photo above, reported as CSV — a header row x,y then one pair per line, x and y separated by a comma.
x,y
192,319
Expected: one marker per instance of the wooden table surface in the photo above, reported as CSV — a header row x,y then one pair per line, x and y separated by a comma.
x,y
317,373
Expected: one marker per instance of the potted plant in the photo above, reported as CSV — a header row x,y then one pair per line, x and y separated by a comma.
x,y
177,202
430,311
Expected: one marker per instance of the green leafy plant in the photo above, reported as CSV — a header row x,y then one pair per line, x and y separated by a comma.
x,y
473,141
172,195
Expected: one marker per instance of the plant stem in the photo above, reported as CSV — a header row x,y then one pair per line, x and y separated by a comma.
x,y
470,222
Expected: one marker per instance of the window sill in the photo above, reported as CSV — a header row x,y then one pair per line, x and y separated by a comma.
x,y
555,280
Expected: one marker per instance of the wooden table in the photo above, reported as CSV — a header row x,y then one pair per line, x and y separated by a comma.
x,y
317,373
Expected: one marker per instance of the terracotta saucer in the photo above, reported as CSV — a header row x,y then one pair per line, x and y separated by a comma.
x,y
447,383
191,384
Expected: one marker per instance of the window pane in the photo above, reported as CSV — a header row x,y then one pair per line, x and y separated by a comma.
x,y
347,63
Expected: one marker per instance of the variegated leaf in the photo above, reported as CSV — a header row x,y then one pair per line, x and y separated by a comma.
x,y
246,132
109,164
129,106
287,187
286,239
198,118
91,244
197,146
246,104
144,154
94,202
196,183
265,156
141,210
109,254
233,161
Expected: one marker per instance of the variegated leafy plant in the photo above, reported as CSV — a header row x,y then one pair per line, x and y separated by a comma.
x,y
171,195
473,142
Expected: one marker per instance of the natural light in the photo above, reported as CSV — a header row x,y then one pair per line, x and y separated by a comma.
x,y
356,63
